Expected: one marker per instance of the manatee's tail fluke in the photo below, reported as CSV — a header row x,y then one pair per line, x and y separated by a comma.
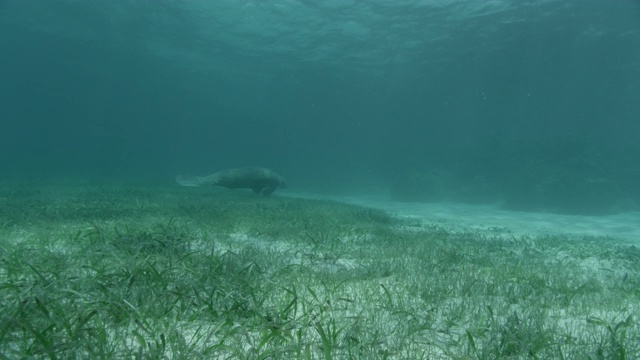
x,y
190,180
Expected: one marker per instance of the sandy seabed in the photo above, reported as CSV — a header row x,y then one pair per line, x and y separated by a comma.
x,y
623,226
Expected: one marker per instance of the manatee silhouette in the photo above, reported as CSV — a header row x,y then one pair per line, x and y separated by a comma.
x,y
258,179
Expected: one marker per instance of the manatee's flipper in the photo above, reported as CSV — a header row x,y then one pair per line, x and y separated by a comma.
x,y
190,180
268,190
257,190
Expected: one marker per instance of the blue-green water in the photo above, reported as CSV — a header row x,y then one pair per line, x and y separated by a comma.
x,y
534,104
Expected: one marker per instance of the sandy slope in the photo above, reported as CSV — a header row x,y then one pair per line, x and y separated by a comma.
x,y
491,218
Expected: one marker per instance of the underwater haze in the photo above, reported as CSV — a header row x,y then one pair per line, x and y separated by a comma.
x,y
532,104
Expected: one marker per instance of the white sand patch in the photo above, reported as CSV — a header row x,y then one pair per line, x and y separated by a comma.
x,y
624,226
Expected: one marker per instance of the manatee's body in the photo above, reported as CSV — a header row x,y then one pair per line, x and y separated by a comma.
x,y
260,180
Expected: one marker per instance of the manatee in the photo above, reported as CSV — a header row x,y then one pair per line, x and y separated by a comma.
x,y
260,180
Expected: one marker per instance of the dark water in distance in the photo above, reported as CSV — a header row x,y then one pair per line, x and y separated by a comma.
x,y
533,103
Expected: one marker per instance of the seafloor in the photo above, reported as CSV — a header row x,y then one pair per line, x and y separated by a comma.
x,y
162,272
